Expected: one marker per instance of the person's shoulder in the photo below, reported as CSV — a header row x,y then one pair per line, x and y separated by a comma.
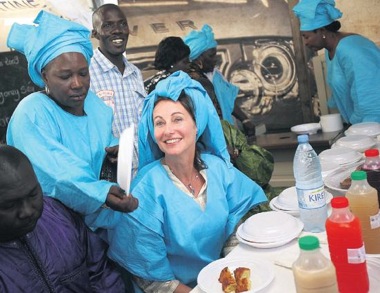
x,y
213,160
36,101
354,43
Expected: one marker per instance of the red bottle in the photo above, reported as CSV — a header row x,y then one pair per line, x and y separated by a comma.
x,y
346,248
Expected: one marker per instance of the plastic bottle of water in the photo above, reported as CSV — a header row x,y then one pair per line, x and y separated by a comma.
x,y
310,188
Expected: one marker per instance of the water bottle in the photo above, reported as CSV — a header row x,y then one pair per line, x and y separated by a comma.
x,y
310,187
347,250
312,271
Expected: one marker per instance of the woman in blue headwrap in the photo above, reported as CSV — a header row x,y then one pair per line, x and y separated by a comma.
x,y
190,196
64,130
353,61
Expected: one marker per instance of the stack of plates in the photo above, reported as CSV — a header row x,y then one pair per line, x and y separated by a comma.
x,y
339,157
287,201
269,229
364,128
357,142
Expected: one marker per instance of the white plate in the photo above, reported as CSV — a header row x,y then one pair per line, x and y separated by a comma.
x,y
364,128
333,179
125,157
291,194
356,142
262,274
294,234
340,156
273,206
269,226
308,128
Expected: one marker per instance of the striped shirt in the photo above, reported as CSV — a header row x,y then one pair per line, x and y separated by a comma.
x,y
124,93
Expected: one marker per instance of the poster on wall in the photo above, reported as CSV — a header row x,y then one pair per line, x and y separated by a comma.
x,y
255,49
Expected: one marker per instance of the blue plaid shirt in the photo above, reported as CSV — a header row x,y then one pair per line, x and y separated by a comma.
x,y
123,93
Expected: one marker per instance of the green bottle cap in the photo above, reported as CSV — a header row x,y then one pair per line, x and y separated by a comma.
x,y
358,175
308,242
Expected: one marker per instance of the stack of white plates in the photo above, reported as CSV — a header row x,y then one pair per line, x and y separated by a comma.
x,y
357,142
338,157
287,201
364,128
269,229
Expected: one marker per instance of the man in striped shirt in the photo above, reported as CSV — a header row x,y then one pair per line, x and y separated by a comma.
x,y
115,80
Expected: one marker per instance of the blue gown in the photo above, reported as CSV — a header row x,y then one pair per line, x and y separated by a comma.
x,y
354,79
226,94
169,235
66,151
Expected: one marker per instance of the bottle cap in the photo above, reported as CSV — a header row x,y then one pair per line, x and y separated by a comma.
x,y
308,242
303,138
339,202
371,153
358,175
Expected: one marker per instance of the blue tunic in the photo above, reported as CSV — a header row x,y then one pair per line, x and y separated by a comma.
x,y
66,151
226,94
169,235
354,79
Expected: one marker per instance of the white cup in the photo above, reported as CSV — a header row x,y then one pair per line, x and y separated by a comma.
x,y
331,122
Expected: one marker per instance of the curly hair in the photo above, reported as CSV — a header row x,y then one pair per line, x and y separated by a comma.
x,y
169,51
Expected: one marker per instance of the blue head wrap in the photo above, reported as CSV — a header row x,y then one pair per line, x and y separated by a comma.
x,y
200,41
315,14
49,38
210,137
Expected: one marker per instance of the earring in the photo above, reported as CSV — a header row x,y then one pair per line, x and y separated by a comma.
x,y
323,37
47,90
171,66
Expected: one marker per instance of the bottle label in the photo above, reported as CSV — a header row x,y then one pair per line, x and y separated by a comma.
x,y
356,255
375,221
311,198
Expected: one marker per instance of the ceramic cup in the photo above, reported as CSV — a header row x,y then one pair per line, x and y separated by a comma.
x,y
331,122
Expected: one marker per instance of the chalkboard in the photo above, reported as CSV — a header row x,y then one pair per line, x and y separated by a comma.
x,y
15,84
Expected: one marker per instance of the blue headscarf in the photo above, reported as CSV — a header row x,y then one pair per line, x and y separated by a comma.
x,y
210,137
200,41
315,14
49,38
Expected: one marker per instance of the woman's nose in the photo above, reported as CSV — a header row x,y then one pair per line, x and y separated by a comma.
x,y
76,82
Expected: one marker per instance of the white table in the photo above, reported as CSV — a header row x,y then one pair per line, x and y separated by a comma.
x,y
282,258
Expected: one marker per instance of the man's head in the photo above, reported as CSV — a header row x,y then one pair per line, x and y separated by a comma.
x,y
110,27
20,195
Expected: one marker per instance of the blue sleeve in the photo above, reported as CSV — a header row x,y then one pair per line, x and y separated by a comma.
x,y
243,194
63,174
360,63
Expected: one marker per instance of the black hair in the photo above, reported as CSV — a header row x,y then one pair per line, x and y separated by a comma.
x,y
11,159
96,15
169,51
187,103
334,26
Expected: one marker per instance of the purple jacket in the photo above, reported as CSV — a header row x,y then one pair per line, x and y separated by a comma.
x,y
61,255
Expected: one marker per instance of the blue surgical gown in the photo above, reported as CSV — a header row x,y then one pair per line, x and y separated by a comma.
x,y
354,79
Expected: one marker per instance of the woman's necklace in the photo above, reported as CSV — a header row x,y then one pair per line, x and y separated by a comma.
x,y
189,185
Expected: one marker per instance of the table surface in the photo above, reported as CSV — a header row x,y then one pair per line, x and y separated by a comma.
x,y
282,258
288,140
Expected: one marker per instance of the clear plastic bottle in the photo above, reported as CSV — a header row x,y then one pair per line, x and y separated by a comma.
x,y
312,271
372,167
372,160
347,252
364,204
310,188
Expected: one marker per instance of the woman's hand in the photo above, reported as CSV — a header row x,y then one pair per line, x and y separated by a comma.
x,y
112,153
119,201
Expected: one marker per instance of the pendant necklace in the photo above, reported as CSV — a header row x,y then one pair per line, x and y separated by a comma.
x,y
190,184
